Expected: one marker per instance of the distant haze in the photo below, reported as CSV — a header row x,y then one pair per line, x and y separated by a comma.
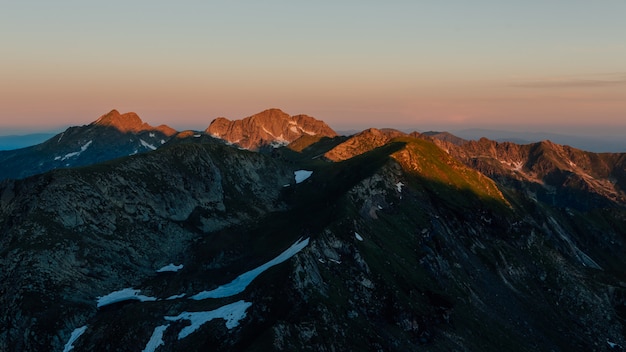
x,y
555,66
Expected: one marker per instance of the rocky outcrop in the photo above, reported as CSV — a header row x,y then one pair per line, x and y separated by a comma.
x,y
271,127
362,142
130,122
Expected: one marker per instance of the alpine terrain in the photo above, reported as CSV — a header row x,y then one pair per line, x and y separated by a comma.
x,y
272,233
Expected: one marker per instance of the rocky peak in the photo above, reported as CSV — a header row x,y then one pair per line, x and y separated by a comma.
x,y
129,122
271,127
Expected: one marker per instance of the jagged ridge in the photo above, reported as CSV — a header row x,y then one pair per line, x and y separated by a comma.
x,y
269,127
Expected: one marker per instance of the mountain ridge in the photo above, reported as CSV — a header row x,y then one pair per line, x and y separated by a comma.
x,y
405,244
130,122
266,128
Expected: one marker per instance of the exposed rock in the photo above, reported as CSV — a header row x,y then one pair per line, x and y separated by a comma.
x,y
362,142
271,127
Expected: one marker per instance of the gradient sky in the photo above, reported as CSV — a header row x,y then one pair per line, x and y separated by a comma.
x,y
527,65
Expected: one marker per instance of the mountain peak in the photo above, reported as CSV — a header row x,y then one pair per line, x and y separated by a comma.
x,y
271,127
129,122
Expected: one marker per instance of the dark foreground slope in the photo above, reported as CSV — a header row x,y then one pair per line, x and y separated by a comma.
x,y
399,247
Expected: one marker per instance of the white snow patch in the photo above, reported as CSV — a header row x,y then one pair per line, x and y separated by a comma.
x,y
162,141
232,313
75,335
358,237
197,135
302,175
611,344
242,281
278,143
293,129
57,157
156,339
310,133
170,267
152,135
516,165
147,145
73,154
84,147
267,131
399,186
123,295
175,297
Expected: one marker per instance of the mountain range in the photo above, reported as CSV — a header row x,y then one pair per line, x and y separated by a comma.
x,y
273,233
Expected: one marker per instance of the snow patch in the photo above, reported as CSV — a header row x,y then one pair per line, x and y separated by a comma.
x,y
399,186
162,141
74,154
611,344
147,145
278,143
75,335
302,175
152,135
123,295
175,297
267,131
232,313
170,267
310,133
293,129
156,339
358,237
242,281
515,165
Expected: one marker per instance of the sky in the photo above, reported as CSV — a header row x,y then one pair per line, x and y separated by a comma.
x,y
546,65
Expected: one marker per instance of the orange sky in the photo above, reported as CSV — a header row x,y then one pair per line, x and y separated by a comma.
x,y
533,65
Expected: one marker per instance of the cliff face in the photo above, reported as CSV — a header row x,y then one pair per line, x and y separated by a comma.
x,y
268,128
402,244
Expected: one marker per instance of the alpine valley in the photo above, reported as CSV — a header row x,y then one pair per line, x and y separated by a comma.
x,y
273,233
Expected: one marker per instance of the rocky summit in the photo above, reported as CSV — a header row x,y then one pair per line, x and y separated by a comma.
x,y
271,127
380,241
